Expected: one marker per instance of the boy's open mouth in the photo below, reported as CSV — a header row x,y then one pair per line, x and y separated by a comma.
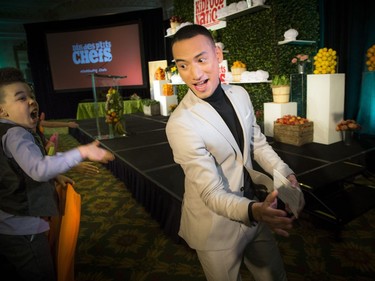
x,y
34,114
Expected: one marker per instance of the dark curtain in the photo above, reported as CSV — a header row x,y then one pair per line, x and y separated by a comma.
x,y
64,105
348,27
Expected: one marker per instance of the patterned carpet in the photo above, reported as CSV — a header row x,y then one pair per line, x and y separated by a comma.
x,y
119,241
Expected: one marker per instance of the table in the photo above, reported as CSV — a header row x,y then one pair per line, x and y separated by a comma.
x,y
144,161
327,175
86,110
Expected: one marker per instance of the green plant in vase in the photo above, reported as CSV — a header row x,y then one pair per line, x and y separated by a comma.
x,y
281,88
151,107
281,80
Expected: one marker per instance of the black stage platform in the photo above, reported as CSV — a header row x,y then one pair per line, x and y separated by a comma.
x,y
144,161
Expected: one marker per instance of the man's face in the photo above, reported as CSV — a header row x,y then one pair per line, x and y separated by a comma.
x,y
19,105
197,60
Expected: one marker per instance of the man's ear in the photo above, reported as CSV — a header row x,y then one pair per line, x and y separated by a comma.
x,y
219,54
3,112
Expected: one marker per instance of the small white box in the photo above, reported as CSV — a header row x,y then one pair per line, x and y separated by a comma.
x,y
273,110
325,105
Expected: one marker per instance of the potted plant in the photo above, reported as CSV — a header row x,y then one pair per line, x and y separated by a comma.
x,y
175,22
301,60
151,107
347,129
280,88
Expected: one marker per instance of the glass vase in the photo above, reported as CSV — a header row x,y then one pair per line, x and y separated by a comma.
x,y
111,130
347,137
301,67
298,92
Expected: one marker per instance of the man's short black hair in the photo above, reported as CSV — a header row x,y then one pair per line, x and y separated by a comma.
x,y
192,30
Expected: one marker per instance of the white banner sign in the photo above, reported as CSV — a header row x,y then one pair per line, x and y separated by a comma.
x,y
223,71
205,13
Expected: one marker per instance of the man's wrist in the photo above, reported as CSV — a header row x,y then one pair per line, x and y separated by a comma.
x,y
252,219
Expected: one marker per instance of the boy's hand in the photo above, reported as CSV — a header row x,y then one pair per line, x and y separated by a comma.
x,y
72,124
86,168
93,152
64,180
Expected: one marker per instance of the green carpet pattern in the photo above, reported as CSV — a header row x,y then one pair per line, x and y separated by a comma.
x,y
119,241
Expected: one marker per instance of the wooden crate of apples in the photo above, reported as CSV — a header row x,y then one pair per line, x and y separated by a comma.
x,y
292,129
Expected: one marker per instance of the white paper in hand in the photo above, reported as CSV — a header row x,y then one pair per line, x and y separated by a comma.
x,y
288,194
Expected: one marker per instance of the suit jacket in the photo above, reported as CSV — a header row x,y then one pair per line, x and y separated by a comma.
x,y
214,207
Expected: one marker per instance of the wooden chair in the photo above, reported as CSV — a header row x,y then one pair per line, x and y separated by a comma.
x,y
64,232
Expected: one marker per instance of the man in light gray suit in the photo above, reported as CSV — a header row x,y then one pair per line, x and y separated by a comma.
x,y
214,137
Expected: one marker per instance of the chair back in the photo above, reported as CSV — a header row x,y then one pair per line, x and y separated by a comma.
x,y
64,232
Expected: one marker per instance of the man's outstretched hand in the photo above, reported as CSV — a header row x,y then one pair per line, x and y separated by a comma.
x,y
276,219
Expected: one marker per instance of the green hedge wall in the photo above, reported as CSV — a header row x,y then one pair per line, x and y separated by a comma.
x,y
253,39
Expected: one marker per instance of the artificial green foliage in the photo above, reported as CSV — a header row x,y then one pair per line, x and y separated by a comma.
x,y
148,102
253,39
181,91
184,9
302,15
280,80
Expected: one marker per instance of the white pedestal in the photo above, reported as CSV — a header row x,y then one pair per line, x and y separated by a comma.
x,y
165,101
272,111
325,105
158,88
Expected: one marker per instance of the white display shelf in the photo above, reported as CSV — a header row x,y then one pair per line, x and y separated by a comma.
x,y
249,82
296,42
250,10
228,82
175,84
171,35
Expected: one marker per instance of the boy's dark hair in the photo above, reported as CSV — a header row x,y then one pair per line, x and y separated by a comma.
x,y
191,30
10,75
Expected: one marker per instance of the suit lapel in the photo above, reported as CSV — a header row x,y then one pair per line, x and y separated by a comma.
x,y
209,114
243,115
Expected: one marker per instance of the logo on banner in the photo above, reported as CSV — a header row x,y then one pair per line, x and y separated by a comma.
x,y
87,53
205,13
223,68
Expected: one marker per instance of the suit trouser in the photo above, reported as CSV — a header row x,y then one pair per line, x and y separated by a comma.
x,y
256,246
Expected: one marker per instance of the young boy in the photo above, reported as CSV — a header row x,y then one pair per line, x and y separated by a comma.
x,y
27,191
83,167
